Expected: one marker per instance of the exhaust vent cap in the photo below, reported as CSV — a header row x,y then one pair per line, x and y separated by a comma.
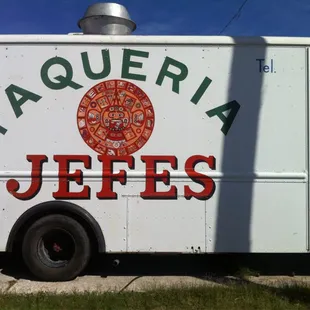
x,y
107,19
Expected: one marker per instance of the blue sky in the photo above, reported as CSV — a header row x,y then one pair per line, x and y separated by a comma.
x,y
163,17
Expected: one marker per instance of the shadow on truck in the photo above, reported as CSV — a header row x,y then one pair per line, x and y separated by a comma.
x,y
239,153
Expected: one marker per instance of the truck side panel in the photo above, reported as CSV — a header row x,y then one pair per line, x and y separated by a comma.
x,y
260,199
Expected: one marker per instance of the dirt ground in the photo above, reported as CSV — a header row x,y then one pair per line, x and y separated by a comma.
x,y
129,283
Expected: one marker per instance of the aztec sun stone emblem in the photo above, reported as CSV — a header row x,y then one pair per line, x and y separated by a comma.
x,y
115,117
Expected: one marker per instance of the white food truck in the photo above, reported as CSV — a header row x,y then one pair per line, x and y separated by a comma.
x,y
117,143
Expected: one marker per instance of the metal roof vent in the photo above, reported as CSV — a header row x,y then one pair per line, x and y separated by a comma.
x,y
107,19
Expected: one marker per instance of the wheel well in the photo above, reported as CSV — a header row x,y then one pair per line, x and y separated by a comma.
x,y
77,213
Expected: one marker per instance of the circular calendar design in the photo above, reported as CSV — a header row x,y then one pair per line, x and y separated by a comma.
x,y
116,118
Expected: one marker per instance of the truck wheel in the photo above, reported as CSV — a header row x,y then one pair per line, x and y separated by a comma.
x,y
56,248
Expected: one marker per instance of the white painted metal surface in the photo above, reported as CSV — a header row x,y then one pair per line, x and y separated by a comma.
x,y
260,202
80,38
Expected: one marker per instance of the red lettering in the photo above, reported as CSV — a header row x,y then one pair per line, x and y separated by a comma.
x,y
13,186
64,177
205,181
152,177
108,177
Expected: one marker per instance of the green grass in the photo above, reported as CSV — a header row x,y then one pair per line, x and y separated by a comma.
x,y
244,273
245,296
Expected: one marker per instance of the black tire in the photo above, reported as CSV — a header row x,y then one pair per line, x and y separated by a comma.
x,y
56,248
